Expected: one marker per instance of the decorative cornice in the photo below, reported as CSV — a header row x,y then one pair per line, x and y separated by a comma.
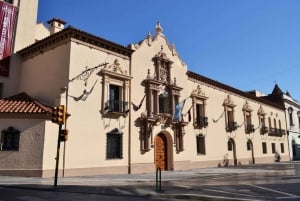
x,y
219,85
198,93
115,67
71,33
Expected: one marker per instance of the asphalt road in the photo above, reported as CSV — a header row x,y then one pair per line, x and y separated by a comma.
x,y
278,181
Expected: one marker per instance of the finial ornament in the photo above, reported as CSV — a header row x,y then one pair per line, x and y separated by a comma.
x,y
149,39
158,28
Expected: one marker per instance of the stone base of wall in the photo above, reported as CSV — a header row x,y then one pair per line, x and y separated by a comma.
x,y
142,168
21,173
87,171
135,168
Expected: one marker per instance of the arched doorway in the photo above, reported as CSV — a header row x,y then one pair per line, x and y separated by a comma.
x,y
250,148
232,148
163,152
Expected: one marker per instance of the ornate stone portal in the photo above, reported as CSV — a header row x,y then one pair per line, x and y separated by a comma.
x,y
162,94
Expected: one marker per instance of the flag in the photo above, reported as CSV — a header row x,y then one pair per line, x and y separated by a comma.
x,y
178,110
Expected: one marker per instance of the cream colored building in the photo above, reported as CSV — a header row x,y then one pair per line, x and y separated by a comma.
x,y
133,109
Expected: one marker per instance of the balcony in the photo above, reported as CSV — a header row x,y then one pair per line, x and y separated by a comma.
x,y
201,122
276,132
231,126
249,128
264,130
116,106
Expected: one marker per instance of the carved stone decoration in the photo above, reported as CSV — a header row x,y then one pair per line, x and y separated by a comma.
x,y
198,93
115,67
229,102
261,111
247,107
173,50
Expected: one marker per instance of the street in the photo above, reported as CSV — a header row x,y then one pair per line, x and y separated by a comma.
x,y
278,181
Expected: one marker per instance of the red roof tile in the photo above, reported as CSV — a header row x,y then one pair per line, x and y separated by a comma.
x,y
22,103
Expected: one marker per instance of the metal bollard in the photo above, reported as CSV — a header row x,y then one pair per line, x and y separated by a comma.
x,y
158,179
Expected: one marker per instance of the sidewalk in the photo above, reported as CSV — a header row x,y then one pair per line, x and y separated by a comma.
x,y
139,185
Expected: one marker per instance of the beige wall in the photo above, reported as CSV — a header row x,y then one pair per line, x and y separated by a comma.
x,y
26,26
215,134
46,75
28,159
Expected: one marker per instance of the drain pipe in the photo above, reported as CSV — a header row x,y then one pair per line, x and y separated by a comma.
x,y
129,121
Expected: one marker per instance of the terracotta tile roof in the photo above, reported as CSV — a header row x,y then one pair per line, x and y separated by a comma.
x,y
22,103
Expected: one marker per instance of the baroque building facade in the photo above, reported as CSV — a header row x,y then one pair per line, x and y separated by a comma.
x,y
133,109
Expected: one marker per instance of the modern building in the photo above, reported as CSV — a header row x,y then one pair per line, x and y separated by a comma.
x,y
133,109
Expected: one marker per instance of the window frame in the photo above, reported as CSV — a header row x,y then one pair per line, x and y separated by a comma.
x,y
10,139
200,143
199,101
115,75
273,145
114,145
264,148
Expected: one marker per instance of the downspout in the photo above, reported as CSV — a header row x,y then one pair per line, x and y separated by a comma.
x,y
287,131
129,121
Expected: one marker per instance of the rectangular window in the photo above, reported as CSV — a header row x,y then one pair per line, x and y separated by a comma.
x,y
229,146
282,147
248,146
164,104
114,146
273,148
201,119
200,144
10,139
116,103
264,147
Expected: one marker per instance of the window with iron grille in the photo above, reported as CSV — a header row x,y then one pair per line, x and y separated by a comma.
x,y
10,139
282,147
248,145
114,145
229,146
200,144
264,147
273,148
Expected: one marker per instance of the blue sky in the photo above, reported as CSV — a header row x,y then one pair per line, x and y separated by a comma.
x,y
247,44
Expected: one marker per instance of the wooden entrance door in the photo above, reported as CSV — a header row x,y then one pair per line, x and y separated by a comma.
x,y
161,152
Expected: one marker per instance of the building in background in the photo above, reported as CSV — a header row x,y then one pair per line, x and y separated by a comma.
x,y
133,109
292,113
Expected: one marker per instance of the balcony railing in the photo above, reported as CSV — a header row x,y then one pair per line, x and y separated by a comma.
x,y
116,106
264,130
231,126
276,132
250,128
201,121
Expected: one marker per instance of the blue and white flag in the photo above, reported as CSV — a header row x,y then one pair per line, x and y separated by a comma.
x,y
178,110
